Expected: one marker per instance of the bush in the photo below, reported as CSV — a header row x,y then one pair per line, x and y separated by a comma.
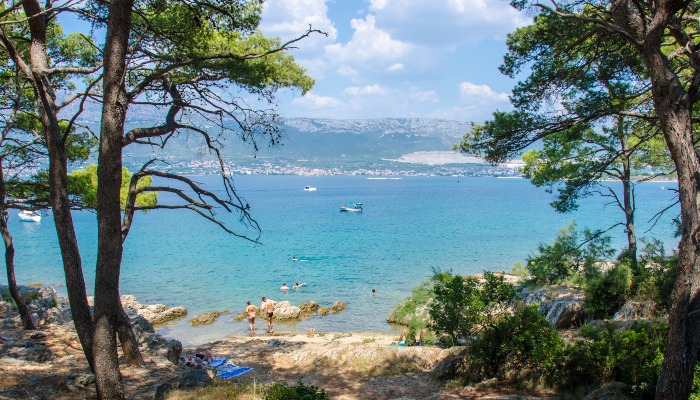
x,y
461,306
27,295
606,294
632,356
654,278
282,391
523,346
405,311
554,263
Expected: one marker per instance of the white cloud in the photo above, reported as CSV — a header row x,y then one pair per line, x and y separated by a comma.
x,y
452,21
368,45
313,101
396,67
291,18
473,93
366,90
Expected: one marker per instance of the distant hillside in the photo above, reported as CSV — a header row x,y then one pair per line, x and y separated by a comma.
x,y
386,137
326,139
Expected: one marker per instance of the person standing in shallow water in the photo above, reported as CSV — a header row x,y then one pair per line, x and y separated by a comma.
x,y
269,309
251,309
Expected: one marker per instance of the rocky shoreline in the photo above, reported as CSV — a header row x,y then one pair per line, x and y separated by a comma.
x,y
49,363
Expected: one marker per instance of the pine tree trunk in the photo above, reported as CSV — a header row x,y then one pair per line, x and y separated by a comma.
x,y
108,310
674,110
58,170
127,338
27,322
628,208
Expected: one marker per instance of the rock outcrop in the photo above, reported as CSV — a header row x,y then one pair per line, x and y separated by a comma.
x,y
636,310
206,317
155,313
562,306
45,305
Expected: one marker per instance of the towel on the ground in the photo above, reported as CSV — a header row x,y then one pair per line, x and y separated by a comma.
x,y
224,368
230,370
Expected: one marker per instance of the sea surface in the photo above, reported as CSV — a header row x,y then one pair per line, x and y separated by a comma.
x,y
410,227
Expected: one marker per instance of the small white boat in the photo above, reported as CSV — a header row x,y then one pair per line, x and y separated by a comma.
x,y
310,189
29,216
351,207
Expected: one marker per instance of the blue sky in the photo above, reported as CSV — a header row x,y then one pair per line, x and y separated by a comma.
x,y
398,58
393,58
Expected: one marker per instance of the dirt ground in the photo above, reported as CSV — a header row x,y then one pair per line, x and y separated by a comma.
x,y
348,366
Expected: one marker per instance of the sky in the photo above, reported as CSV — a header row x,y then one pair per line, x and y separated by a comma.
x,y
393,58
397,58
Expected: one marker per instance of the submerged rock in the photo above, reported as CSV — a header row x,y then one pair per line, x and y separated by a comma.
x,y
206,317
338,306
308,308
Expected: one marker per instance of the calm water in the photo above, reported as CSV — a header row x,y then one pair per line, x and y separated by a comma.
x,y
409,227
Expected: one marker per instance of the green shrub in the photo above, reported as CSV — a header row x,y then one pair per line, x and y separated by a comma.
x,y
606,294
654,278
282,391
554,263
462,305
5,293
632,356
27,295
405,310
523,346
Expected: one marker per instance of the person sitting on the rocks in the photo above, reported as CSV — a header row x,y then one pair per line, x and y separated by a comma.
x,y
204,354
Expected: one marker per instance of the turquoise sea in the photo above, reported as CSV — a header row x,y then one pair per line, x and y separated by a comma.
x,y
410,226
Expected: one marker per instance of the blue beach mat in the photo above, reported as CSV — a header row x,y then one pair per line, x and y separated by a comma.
x,y
230,370
225,369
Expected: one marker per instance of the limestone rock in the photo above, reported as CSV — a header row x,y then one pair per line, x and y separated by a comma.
x,y
338,306
285,311
308,308
155,313
206,317
563,313
562,306
636,310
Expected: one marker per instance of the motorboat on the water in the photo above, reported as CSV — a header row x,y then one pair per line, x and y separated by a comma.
x,y
310,189
29,216
351,207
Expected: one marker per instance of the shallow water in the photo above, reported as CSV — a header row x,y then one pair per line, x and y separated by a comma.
x,y
409,227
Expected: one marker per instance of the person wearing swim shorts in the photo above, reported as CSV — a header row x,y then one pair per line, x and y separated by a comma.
x,y
251,309
269,309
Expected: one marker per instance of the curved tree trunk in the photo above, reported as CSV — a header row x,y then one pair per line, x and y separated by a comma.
x,y
109,314
58,171
27,322
674,109
628,206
